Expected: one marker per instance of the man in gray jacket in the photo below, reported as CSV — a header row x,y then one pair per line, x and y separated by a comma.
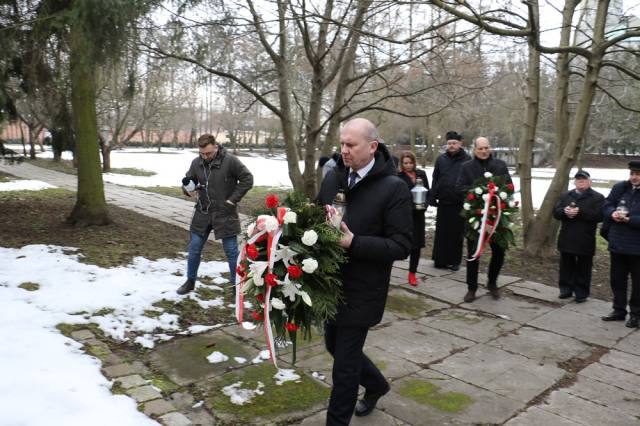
x,y
220,181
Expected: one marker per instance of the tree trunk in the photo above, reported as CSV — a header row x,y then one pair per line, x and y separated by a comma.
x,y
91,207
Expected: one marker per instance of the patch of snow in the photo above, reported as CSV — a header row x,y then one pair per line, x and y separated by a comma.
x,y
216,357
24,185
240,396
248,325
195,329
263,355
285,375
239,359
198,404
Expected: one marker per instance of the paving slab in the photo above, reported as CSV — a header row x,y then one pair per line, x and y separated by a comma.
x,y
144,393
622,361
594,307
416,343
509,308
157,407
538,291
184,360
612,376
585,412
510,375
443,289
81,335
431,398
376,418
321,363
534,416
391,365
539,345
175,419
630,343
582,326
469,324
119,370
503,280
607,395
133,381
430,270
404,304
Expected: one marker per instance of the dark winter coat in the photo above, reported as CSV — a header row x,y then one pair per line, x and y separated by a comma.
x,y
578,235
475,169
444,179
223,178
624,238
379,215
418,215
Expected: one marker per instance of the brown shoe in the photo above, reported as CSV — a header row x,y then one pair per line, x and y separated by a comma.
x,y
470,296
494,292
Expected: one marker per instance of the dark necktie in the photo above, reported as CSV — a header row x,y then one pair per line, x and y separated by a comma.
x,y
352,179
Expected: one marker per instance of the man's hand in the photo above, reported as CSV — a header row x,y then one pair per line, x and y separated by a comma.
x,y
347,237
571,212
191,193
619,218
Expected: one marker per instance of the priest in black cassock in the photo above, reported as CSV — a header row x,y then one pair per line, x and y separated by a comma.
x,y
447,244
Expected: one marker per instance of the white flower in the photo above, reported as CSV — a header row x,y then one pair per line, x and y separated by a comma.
x,y
277,303
478,190
270,223
503,195
309,265
488,175
485,197
472,219
305,297
475,225
250,229
309,238
466,206
290,217
512,203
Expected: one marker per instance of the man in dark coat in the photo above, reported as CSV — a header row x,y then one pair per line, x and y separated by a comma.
x,y
472,170
220,181
449,235
579,210
377,231
623,207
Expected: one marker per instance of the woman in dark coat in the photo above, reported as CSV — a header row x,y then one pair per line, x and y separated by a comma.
x,y
409,174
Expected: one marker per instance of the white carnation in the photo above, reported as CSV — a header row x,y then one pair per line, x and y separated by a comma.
x,y
290,217
270,223
503,195
309,238
488,175
466,206
476,225
512,203
485,197
277,303
478,190
309,265
250,229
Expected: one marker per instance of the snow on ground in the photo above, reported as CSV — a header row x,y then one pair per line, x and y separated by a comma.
x,y
46,377
24,185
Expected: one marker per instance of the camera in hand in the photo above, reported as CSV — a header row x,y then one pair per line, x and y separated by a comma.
x,y
190,184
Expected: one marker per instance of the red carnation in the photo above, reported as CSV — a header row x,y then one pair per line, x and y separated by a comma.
x,y
272,201
510,187
260,297
270,279
257,316
471,197
503,205
292,327
240,270
294,271
252,252
491,186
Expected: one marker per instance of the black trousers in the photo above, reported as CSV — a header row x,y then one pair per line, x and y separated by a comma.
x,y
575,274
449,236
623,265
414,258
495,265
351,368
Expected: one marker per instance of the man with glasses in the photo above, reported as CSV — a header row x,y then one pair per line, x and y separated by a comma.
x,y
220,181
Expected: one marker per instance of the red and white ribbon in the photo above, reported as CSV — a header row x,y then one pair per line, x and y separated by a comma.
x,y
485,236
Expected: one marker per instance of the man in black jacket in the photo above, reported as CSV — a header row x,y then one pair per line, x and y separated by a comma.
x,y
580,210
622,207
377,230
472,170
449,236
221,180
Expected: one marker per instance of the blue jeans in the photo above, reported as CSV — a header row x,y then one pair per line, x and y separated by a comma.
x,y
229,245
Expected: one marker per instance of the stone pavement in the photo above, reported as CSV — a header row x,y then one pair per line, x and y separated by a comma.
x,y
527,359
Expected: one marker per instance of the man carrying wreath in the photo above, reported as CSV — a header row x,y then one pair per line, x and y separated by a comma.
x,y
483,164
377,229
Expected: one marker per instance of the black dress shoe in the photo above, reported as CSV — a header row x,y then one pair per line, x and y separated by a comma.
x,y
494,292
366,405
580,299
454,268
632,322
614,316
564,295
188,286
